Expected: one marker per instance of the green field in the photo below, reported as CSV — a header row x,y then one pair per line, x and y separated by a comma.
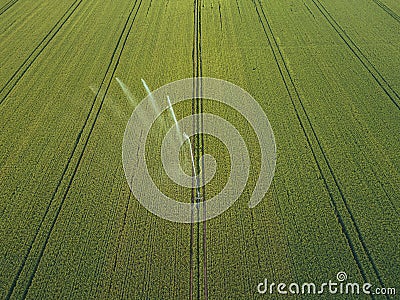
x,y
327,75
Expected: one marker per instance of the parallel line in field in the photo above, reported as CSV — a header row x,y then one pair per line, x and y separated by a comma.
x,y
194,226
290,86
7,6
372,70
121,41
238,8
191,245
14,283
23,68
204,194
148,8
198,148
388,10
191,241
110,71
333,176
220,15
358,53
192,202
194,126
199,158
309,10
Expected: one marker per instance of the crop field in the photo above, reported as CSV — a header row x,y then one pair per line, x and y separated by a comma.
x,y
326,73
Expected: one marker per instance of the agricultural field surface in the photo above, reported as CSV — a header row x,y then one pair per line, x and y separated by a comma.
x,y
73,218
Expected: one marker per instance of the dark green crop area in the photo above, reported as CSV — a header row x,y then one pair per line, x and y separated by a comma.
x,y
327,75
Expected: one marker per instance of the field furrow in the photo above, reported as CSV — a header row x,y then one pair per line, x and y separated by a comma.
x,y
335,182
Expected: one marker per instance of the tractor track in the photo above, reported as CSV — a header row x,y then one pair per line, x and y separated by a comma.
x,y
372,70
194,228
388,10
238,8
107,79
300,109
202,153
220,15
148,8
198,245
24,67
7,6
193,195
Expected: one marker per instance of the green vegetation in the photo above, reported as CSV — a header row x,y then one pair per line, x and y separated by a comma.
x,y
326,74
